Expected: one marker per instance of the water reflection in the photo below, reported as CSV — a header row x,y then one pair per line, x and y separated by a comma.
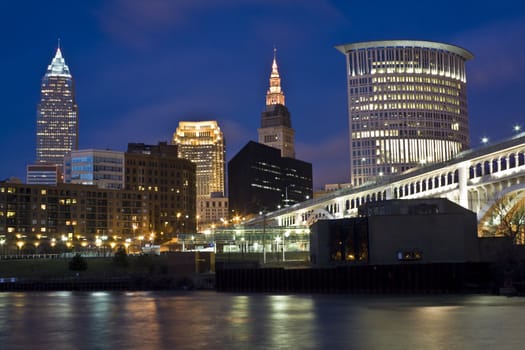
x,y
197,320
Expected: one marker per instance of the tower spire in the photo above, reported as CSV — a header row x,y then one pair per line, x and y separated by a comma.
x,y
58,66
275,94
276,126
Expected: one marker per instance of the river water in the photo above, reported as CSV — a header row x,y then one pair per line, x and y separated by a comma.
x,y
210,320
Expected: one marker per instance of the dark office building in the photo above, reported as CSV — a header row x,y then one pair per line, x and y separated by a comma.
x,y
169,183
259,179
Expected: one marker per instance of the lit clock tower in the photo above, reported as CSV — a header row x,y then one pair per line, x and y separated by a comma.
x,y
276,126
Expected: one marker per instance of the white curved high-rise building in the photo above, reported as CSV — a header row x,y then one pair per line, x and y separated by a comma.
x,y
407,104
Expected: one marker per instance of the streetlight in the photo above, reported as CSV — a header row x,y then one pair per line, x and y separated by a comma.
x,y
2,242
63,238
98,242
178,223
141,238
517,128
20,244
286,235
152,238
104,238
277,241
484,140
197,223
263,213
213,237
134,227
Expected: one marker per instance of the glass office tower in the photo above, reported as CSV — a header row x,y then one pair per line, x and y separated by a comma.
x,y
407,105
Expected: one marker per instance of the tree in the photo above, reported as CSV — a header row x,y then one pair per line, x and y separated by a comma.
x,y
508,218
508,222
121,258
78,263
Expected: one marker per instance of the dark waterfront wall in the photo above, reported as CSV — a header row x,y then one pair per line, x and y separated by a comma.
x,y
412,278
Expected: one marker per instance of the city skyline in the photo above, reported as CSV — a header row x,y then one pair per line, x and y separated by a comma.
x,y
138,73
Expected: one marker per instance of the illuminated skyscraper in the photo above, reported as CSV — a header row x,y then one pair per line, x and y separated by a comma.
x,y
276,125
57,114
203,144
407,105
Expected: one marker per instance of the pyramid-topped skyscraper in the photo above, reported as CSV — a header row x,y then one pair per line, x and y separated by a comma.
x,y
57,114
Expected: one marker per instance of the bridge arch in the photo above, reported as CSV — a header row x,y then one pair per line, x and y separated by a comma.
x,y
317,214
485,213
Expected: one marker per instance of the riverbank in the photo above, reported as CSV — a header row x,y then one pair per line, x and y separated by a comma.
x,y
129,283
184,271
146,272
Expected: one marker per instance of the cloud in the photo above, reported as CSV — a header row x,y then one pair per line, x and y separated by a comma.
x,y
134,22
330,159
236,136
137,22
147,124
498,55
157,121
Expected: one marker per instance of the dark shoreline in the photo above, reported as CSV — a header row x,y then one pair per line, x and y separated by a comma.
x,y
443,278
135,283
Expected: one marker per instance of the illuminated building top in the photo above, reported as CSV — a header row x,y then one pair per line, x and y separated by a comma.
x,y
467,55
58,66
203,144
275,95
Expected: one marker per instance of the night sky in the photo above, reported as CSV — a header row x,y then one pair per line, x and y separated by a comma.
x,y
142,66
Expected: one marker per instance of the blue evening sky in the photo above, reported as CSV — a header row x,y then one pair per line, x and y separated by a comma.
x,y
142,66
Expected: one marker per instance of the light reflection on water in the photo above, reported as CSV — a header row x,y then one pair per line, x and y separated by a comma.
x,y
209,320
